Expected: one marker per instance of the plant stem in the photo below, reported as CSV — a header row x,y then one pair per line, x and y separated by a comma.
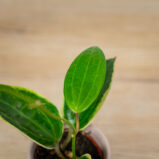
x,y
59,153
74,136
75,131
74,146
67,140
77,122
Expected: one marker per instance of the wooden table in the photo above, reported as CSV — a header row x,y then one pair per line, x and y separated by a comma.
x,y
38,41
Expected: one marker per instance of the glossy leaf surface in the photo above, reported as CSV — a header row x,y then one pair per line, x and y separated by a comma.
x,y
84,79
86,116
86,156
21,108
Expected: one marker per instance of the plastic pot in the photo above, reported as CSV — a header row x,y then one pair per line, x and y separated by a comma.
x,y
95,133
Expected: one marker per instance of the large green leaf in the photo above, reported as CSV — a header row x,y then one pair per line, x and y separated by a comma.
x,y
84,79
21,108
86,156
86,116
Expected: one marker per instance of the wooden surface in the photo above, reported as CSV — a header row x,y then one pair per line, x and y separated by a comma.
x,y
40,38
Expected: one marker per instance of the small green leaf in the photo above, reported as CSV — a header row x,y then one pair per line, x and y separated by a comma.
x,y
86,116
84,79
86,156
21,108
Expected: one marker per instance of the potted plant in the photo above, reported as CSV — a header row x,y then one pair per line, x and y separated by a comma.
x,y
56,136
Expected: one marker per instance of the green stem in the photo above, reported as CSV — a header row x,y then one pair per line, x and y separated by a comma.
x,y
75,131
59,153
67,140
74,136
74,146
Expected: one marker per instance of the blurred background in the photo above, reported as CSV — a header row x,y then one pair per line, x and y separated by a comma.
x,y
40,38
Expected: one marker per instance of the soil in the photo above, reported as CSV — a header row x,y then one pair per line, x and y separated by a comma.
x,y
84,144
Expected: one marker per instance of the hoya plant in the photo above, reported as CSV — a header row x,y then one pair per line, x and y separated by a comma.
x,y
86,85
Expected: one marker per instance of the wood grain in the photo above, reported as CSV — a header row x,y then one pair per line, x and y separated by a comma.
x,y
38,41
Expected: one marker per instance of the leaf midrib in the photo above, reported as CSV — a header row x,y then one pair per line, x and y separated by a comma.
x,y
93,82
82,83
73,76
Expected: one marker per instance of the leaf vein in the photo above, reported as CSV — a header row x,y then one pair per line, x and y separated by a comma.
x,y
22,114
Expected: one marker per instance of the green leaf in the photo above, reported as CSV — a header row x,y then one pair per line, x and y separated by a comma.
x,y
21,108
86,116
86,156
84,79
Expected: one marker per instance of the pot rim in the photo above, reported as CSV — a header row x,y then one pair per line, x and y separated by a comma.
x,y
101,137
